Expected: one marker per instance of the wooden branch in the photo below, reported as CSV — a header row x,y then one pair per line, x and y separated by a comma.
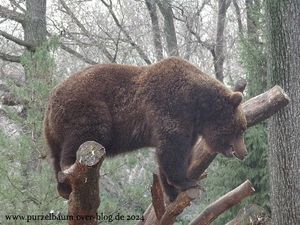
x,y
77,54
10,58
158,213
175,208
157,198
230,199
265,105
83,176
85,32
155,210
256,110
16,40
240,85
130,40
251,212
12,15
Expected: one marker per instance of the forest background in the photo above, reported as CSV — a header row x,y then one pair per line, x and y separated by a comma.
x,y
43,42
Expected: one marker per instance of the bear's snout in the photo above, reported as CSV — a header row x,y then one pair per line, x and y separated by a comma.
x,y
240,150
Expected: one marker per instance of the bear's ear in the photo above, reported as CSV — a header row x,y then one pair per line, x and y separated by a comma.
x,y
236,98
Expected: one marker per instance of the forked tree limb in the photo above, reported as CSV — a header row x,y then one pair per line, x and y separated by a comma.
x,y
159,214
211,212
157,197
175,208
83,176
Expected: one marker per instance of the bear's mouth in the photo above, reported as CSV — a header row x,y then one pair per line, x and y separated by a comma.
x,y
236,155
231,153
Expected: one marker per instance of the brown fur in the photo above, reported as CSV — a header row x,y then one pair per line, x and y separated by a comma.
x,y
166,105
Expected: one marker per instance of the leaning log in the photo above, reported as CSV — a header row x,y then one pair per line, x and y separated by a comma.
x,y
211,212
83,176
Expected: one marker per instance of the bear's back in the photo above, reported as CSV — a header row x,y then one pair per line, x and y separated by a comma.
x,y
96,82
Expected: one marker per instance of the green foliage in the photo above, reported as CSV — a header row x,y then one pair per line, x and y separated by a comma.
x,y
125,186
27,184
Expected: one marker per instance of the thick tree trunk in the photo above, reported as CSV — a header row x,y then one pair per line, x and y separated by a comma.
x,y
35,29
219,56
169,27
151,6
283,20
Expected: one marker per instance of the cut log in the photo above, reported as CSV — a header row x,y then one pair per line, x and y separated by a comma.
x,y
175,208
230,199
265,105
83,177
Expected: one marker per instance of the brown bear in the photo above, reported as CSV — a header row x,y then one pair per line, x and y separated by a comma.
x,y
167,105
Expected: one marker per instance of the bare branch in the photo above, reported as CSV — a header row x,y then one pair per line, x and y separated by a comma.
x,y
16,40
265,105
85,31
159,214
238,16
77,54
10,58
13,15
207,45
222,204
74,18
175,208
141,53
16,4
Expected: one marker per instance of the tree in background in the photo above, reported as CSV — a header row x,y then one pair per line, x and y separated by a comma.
x,y
134,32
283,29
228,174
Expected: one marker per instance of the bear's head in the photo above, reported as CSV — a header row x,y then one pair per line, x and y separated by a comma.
x,y
224,134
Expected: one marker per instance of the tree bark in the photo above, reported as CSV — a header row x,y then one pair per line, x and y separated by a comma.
x,y
35,29
218,54
33,21
283,35
151,6
83,176
230,199
169,27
